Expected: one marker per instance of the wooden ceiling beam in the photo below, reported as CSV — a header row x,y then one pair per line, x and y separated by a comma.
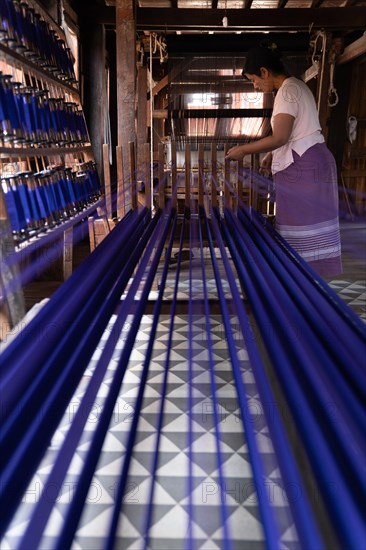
x,y
171,75
210,88
168,19
356,49
222,45
211,113
209,79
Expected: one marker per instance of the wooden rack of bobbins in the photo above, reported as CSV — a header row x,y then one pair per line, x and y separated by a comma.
x,y
49,183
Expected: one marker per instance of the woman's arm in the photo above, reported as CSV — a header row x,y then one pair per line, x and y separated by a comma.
x,y
281,132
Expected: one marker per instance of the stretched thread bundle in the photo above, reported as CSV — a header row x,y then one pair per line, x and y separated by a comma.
x,y
265,268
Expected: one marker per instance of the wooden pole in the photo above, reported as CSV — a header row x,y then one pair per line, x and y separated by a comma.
x,y
201,174
68,253
187,202
213,175
141,120
126,68
161,175
253,189
174,174
240,182
120,183
227,192
132,174
234,193
12,306
107,180
147,176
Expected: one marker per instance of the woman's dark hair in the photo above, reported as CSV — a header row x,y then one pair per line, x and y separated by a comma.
x,y
267,55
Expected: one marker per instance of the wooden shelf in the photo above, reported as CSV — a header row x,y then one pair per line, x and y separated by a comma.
x,y
12,56
41,77
49,235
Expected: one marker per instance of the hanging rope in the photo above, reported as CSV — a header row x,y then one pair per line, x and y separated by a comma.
x,y
159,42
320,36
332,92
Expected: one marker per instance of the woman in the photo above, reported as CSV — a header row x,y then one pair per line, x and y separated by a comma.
x,y
303,168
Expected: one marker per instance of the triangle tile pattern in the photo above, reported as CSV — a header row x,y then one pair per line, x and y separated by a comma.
x,y
170,514
353,293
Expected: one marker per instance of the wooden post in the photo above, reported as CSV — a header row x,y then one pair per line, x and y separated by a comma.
x,y
227,192
141,120
68,253
91,233
201,174
161,175
98,230
174,176
132,175
159,124
107,181
187,202
12,307
234,193
214,175
253,188
120,183
240,182
126,67
147,176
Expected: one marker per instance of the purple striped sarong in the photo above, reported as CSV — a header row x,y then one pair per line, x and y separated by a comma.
x,y
307,209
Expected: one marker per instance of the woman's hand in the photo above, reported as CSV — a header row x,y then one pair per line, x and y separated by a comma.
x,y
265,167
236,153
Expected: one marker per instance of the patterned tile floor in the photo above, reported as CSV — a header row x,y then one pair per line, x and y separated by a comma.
x,y
169,523
169,526
353,293
351,285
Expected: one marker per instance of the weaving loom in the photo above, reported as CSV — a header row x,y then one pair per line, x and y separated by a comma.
x,y
287,338
155,402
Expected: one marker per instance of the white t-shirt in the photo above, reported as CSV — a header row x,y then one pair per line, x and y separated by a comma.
x,y
296,99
